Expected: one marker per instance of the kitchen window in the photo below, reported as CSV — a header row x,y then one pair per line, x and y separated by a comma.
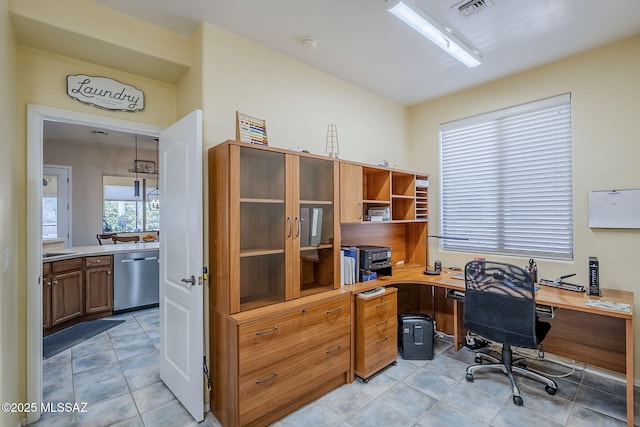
x,y
123,211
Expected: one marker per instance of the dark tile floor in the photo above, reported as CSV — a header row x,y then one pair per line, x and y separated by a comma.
x,y
117,374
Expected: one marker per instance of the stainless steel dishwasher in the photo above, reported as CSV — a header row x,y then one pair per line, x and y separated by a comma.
x,y
135,280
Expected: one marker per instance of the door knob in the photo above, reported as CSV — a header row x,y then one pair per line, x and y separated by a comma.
x,y
191,281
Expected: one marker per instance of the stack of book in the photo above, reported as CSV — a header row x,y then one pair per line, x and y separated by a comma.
x,y
349,265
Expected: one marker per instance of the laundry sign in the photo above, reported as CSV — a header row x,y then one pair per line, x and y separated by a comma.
x,y
104,92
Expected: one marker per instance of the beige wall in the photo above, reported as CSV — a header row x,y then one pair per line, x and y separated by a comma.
x,y
12,385
296,101
88,163
606,148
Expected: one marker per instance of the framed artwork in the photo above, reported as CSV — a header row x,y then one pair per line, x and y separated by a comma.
x,y
144,166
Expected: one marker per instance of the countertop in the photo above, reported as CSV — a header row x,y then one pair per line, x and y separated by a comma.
x,y
81,251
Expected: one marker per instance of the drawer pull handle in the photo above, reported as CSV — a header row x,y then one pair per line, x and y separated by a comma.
x,y
382,323
335,310
271,378
382,340
382,305
270,331
338,347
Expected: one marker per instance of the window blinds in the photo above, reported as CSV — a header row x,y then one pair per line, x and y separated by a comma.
x,y
506,181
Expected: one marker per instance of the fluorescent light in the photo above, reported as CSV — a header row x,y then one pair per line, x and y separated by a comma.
x,y
415,17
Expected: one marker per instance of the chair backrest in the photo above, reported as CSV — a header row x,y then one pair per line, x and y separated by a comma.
x,y
105,238
117,239
499,303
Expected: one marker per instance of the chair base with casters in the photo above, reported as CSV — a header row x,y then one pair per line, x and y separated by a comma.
x,y
507,367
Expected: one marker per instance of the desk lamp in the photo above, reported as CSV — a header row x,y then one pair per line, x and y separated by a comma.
x,y
437,267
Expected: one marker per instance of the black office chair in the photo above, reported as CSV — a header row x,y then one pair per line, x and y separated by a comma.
x,y
499,304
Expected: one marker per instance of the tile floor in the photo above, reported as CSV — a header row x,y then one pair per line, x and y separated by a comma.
x,y
116,373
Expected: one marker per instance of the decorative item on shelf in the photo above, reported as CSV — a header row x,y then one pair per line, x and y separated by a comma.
x,y
332,148
250,129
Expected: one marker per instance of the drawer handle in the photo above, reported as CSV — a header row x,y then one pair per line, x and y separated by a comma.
x,y
335,310
338,347
382,340
382,323
271,378
382,305
270,331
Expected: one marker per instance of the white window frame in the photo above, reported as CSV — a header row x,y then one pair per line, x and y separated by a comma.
x,y
506,181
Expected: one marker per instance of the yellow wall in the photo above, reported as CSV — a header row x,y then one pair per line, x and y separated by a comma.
x,y
13,183
296,101
606,148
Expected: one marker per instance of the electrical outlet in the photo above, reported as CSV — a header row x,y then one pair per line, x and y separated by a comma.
x,y
6,260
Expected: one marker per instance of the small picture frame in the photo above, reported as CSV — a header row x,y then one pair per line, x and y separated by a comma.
x,y
144,166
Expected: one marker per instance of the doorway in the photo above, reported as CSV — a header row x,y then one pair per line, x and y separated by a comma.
x,y
36,116
56,202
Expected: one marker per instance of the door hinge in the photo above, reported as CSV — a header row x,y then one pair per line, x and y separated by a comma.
x,y
206,371
205,272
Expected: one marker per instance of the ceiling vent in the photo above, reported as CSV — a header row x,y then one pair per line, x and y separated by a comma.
x,y
469,8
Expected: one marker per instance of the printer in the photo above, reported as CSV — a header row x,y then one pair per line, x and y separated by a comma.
x,y
375,259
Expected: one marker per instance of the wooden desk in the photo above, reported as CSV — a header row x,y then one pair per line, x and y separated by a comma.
x,y
596,336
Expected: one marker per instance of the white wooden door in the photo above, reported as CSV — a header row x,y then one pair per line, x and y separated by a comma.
x,y
181,293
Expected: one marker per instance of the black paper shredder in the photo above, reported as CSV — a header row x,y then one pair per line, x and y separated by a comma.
x,y
416,336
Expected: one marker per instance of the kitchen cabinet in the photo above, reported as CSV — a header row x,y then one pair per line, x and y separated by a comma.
x,y
98,279
46,295
376,332
66,290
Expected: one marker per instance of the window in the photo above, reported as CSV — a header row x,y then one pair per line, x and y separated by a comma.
x,y
506,181
123,211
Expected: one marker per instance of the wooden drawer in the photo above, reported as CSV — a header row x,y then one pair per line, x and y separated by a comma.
x,y
380,306
264,342
272,386
97,261
66,265
376,332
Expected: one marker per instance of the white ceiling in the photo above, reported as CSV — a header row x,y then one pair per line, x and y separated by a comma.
x,y
360,42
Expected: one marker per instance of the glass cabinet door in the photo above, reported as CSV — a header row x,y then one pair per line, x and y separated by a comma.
x,y
316,234
262,228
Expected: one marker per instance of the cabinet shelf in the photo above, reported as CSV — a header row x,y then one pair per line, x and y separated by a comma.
x,y
263,201
316,202
379,202
313,248
402,196
259,252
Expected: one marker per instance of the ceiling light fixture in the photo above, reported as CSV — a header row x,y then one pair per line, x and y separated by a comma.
x,y
415,17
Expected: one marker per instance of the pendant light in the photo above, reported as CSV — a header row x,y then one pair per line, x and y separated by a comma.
x,y
136,183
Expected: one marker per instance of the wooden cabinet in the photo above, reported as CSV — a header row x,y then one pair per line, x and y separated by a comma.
x,y
66,290
46,295
75,290
274,225
285,357
350,193
98,287
403,196
376,332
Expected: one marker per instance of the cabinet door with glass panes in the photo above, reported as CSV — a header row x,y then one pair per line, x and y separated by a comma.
x,y
259,202
317,223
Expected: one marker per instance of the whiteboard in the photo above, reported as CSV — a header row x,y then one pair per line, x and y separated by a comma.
x,y
614,209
